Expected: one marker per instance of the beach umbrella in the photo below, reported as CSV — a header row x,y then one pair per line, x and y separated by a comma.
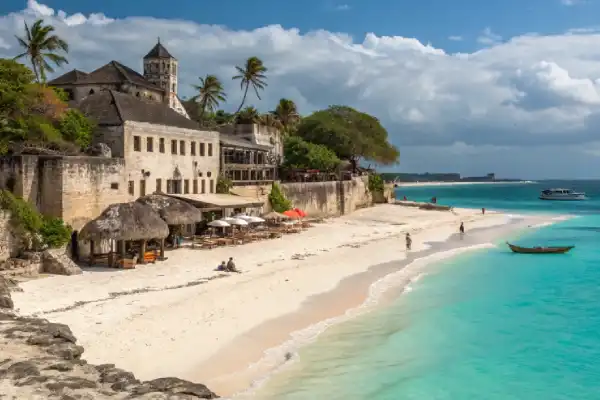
x,y
255,220
274,215
218,224
237,222
292,214
301,213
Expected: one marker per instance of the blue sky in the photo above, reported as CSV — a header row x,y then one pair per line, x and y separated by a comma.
x,y
427,20
518,94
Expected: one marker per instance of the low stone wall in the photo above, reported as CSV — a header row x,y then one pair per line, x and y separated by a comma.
x,y
324,199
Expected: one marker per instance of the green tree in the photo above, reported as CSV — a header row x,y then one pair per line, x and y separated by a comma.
x,y
351,134
248,115
41,46
252,74
75,127
271,121
287,113
301,154
278,201
210,94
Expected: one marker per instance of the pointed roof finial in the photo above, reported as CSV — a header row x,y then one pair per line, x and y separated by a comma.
x,y
159,40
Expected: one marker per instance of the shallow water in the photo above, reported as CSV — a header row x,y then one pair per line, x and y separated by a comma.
x,y
489,324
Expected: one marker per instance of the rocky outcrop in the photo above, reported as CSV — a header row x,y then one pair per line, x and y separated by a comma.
x,y
41,360
57,261
5,298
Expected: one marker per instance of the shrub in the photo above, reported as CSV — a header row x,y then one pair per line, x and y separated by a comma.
x,y
301,154
54,232
223,185
278,200
23,216
376,183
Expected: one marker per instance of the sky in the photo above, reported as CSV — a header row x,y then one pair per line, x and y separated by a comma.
x,y
468,86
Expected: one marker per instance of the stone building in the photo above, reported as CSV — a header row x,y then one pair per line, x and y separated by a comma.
x,y
264,136
157,84
162,150
246,163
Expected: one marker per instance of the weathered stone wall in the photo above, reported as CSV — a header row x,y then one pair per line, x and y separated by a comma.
x,y
9,244
165,165
321,199
75,189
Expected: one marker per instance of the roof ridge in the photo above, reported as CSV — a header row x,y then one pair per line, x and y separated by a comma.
x,y
122,71
117,106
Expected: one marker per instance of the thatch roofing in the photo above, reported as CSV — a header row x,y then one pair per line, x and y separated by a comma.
x,y
126,221
171,209
274,215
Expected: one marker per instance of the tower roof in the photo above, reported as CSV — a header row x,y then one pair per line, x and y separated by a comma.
x,y
158,51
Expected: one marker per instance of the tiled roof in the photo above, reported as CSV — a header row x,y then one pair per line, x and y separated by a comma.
x,y
158,51
114,108
232,141
112,73
73,76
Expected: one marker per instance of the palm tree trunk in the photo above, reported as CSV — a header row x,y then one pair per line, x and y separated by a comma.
x,y
202,111
243,98
35,70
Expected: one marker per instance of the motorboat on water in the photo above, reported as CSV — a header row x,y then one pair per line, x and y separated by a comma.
x,y
561,194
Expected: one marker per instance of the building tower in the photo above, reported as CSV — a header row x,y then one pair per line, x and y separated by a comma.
x,y
160,68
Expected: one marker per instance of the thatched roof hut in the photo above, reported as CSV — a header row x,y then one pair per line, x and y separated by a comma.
x,y
171,209
126,221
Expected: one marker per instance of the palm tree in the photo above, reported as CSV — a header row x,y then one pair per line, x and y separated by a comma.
x,y
41,46
271,120
210,94
253,74
287,113
248,115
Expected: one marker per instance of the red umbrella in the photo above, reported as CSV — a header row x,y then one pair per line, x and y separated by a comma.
x,y
292,214
301,213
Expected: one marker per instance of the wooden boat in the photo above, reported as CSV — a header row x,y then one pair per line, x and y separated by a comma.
x,y
539,250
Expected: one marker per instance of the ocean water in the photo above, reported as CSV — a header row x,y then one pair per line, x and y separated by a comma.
x,y
487,324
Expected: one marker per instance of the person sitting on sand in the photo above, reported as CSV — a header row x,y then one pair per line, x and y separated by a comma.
x,y
222,266
231,266
408,241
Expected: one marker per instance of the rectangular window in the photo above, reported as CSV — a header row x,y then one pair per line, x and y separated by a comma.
x,y
195,185
161,145
173,146
159,185
193,148
142,187
114,185
202,146
182,147
169,186
131,188
212,186
149,145
186,186
210,150
203,187
137,143
176,186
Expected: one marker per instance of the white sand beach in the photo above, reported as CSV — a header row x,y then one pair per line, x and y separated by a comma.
x,y
175,318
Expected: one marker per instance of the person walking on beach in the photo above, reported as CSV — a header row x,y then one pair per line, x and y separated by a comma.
x,y
483,211
462,228
408,241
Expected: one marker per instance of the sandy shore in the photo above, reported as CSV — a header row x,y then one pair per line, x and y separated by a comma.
x,y
181,318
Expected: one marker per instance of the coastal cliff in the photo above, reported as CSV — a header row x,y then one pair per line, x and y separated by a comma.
x,y
41,360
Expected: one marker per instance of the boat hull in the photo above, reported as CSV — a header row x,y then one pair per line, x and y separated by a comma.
x,y
558,198
539,250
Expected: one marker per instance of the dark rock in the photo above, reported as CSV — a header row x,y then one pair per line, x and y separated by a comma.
x,y
5,299
71,383
67,351
33,380
179,386
23,369
61,367
40,340
61,331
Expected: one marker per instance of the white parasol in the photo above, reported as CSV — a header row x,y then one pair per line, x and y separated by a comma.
x,y
236,221
254,220
219,224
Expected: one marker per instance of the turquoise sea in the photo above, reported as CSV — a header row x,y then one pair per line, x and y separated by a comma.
x,y
487,324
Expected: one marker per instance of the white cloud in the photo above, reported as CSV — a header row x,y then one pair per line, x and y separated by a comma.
x,y
455,38
342,7
515,95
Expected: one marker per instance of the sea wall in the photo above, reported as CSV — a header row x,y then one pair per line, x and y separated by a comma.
x,y
333,198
